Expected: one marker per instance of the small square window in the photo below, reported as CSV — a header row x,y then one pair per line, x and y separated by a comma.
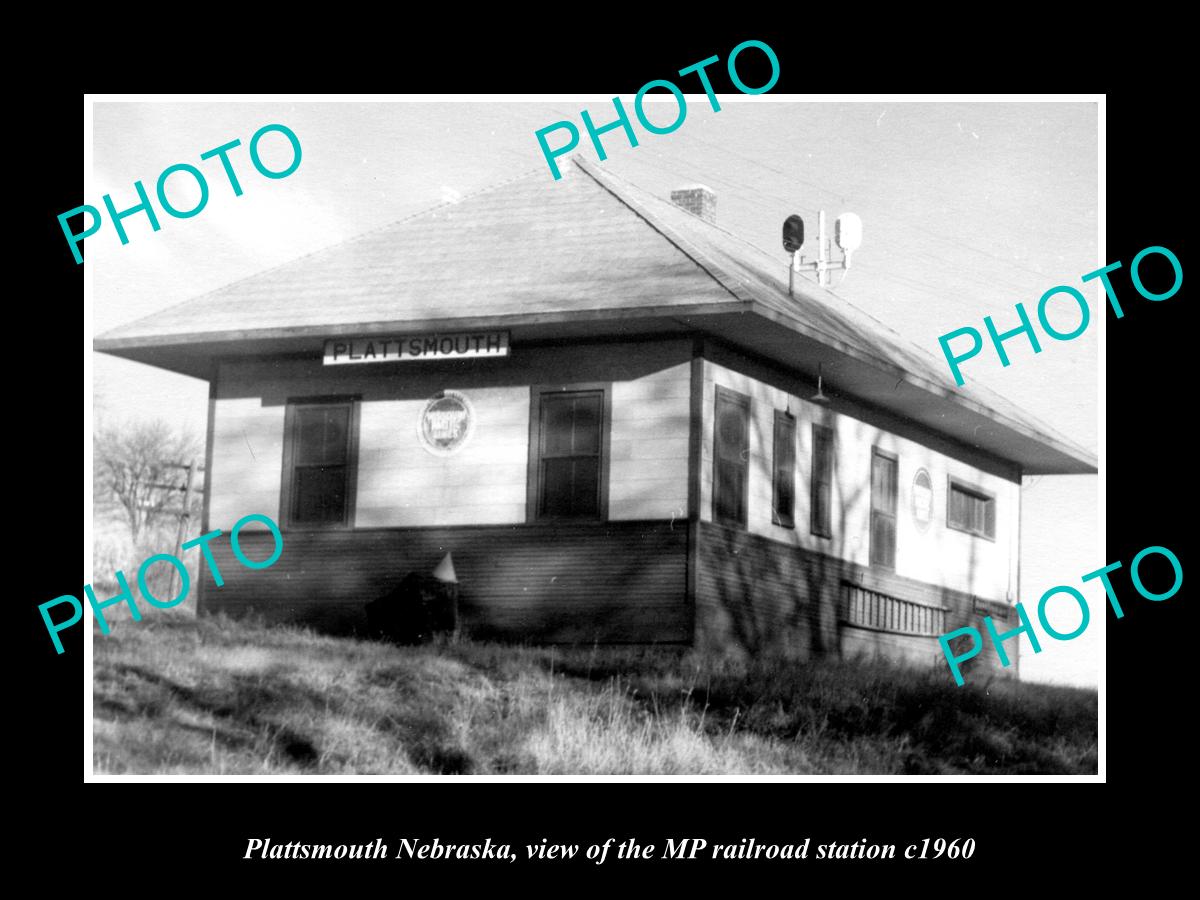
x,y
971,510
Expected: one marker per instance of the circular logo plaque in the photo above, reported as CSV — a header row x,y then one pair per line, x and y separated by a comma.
x,y
446,423
922,499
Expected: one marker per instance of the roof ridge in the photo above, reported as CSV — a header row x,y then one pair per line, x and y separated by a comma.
x,y
668,234
404,220
766,254
678,240
980,393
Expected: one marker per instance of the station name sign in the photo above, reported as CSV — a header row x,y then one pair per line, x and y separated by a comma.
x,y
460,345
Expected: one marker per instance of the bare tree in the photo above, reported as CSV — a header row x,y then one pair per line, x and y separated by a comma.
x,y
134,465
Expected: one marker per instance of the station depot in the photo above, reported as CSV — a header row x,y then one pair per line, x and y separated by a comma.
x,y
621,422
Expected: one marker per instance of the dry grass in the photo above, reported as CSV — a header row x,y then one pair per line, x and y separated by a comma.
x,y
177,695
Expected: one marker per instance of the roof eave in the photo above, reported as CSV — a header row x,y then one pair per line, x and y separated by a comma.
x,y
194,354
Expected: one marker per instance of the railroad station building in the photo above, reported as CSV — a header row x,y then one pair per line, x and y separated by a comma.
x,y
618,420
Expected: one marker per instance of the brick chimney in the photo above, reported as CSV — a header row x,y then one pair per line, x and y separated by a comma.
x,y
698,200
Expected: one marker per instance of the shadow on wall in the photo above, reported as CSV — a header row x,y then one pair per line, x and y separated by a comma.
x,y
776,599
773,598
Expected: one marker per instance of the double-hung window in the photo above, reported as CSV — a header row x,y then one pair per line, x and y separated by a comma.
x,y
568,440
319,462
883,509
821,521
731,457
783,487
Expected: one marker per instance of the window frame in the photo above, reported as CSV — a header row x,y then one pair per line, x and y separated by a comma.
x,y
966,487
814,526
290,439
895,514
728,395
534,482
786,419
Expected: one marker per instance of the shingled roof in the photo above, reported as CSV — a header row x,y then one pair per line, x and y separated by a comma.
x,y
588,255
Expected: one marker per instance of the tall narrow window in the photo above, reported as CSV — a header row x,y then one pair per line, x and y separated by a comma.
x,y
731,457
784,482
883,509
570,451
319,463
971,510
822,482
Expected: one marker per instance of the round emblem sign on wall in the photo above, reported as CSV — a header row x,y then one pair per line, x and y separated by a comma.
x,y
446,424
922,499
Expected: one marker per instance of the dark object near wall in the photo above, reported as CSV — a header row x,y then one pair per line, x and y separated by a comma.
x,y
415,611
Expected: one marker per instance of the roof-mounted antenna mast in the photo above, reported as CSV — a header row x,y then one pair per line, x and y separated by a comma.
x,y
847,233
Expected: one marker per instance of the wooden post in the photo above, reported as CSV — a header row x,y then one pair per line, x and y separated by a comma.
x,y
185,515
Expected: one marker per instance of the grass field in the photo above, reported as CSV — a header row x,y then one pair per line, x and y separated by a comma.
x,y
178,695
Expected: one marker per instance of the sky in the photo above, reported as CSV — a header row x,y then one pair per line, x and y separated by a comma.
x,y
968,208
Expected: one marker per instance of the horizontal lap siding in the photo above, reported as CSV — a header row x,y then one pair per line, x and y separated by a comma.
x,y
618,583
401,485
648,463
933,553
756,595
247,460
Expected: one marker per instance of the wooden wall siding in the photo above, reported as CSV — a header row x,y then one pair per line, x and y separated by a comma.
x,y
617,583
247,460
648,472
756,595
937,554
401,485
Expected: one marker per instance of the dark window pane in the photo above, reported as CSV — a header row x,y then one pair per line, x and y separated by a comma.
x,y
785,468
883,540
883,484
822,482
557,421
729,497
588,413
823,457
820,521
585,494
731,429
310,432
972,512
955,508
784,500
883,510
731,441
321,434
571,437
557,477
319,495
